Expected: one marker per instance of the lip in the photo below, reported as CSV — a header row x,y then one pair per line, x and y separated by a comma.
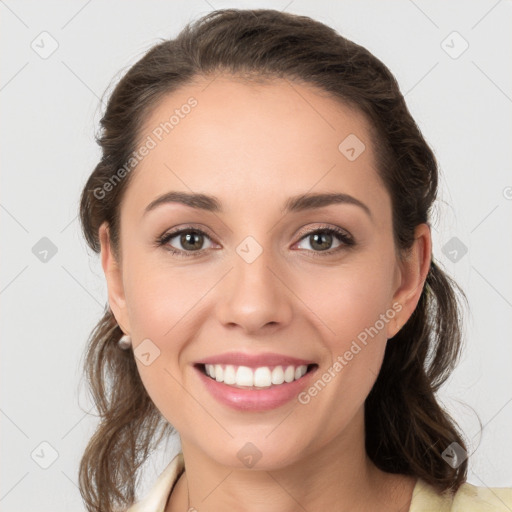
x,y
253,400
269,359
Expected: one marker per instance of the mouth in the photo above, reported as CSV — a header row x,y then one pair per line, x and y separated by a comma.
x,y
255,378
254,382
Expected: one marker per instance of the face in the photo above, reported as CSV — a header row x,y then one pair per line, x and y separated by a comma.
x,y
268,279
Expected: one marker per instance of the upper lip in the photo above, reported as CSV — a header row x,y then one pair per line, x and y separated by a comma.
x,y
254,360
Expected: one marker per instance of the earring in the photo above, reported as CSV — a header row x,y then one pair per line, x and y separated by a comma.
x,y
125,342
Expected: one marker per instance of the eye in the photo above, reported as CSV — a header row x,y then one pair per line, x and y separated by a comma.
x,y
191,240
320,240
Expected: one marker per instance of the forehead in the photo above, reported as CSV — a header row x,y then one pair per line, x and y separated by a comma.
x,y
241,141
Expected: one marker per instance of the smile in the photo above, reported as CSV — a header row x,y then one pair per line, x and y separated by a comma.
x,y
260,377
255,389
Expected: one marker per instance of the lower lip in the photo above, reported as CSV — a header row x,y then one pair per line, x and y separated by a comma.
x,y
255,399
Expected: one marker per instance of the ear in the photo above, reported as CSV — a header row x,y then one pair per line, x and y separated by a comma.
x,y
410,277
114,278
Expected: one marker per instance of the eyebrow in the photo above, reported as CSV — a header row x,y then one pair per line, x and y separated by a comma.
x,y
293,204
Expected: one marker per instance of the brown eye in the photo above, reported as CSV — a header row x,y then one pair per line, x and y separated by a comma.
x,y
186,240
191,240
321,240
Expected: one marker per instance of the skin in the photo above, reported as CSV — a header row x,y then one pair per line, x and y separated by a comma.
x,y
252,146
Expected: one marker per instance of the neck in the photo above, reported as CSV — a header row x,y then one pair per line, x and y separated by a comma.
x,y
338,476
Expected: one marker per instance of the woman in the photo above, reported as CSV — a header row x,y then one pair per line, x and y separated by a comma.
x,y
262,212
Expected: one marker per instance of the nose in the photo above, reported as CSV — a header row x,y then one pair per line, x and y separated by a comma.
x,y
254,296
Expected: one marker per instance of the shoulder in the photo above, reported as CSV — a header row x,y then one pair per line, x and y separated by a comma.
x,y
468,498
471,497
155,500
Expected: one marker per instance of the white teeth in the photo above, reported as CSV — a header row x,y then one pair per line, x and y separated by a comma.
x,y
230,375
289,374
261,377
244,376
277,375
300,371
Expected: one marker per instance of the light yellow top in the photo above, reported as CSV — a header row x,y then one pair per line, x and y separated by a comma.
x,y
469,498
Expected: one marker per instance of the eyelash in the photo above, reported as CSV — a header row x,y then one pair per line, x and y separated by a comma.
x,y
341,235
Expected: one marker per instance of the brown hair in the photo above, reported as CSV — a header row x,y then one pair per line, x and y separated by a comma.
x,y
406,428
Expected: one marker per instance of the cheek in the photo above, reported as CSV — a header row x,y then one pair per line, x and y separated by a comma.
x,y
350,307
160,300
165,306
348,300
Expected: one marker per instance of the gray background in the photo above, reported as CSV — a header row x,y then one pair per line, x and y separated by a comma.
x,y
50,108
